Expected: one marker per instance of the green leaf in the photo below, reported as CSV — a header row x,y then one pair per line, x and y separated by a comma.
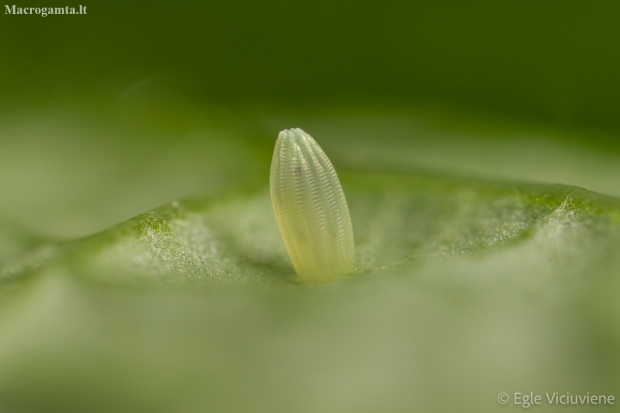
x,y
464,286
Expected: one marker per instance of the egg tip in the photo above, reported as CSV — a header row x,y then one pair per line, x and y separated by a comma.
x,y
292,134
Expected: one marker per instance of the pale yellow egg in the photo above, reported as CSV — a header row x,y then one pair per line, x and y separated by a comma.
x,y
310,208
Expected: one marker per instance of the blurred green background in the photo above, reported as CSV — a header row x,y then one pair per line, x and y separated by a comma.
x,y
469,283
557,61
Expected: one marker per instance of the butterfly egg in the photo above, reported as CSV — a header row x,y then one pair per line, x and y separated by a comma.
x,y
310,208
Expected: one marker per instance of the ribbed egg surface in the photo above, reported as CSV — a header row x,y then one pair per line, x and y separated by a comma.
x,y
310,208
